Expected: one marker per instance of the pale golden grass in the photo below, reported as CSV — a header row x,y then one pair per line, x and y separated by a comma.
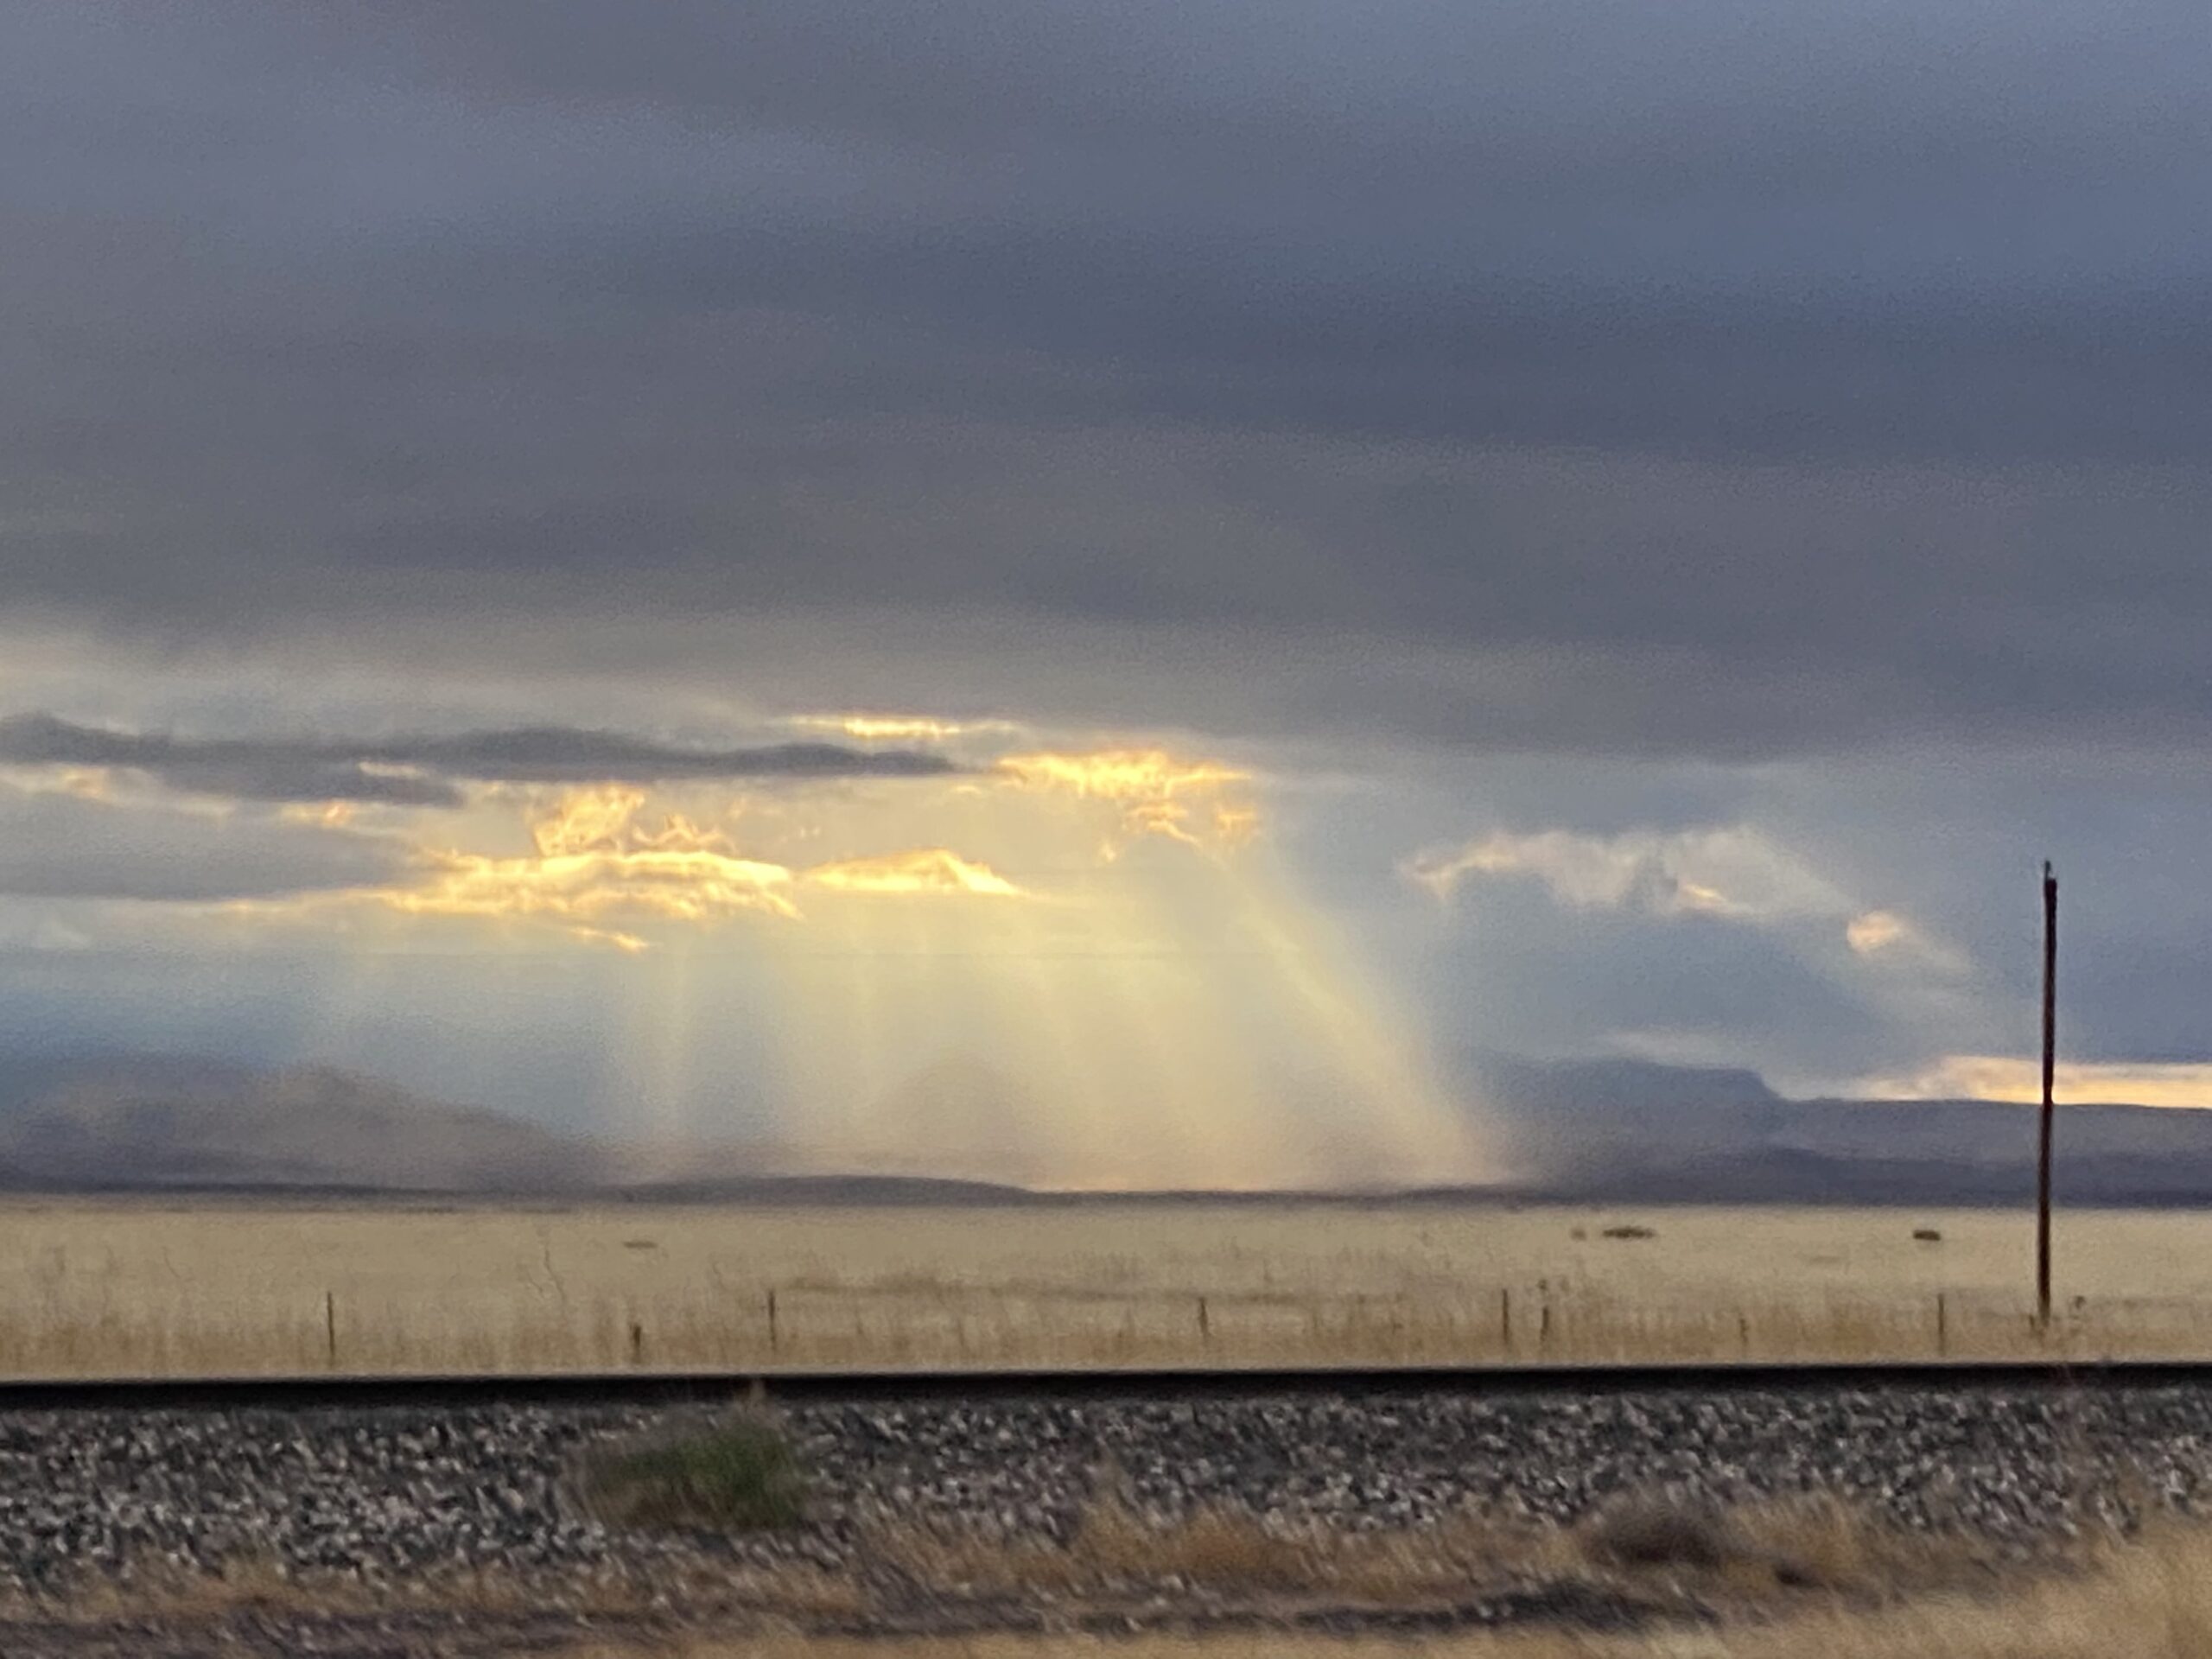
x,y
158,1590
1228,1552
145,1288
1761,1550
2152,1600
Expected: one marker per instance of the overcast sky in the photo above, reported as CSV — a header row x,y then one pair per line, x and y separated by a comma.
x,y
1678,508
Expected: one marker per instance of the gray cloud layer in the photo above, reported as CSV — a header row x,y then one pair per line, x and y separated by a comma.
x,y
302,769
1868,345
59,847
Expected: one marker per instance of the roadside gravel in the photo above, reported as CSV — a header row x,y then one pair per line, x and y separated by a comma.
x,y
400,1491
389,1496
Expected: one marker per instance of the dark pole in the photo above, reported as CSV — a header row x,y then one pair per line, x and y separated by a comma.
x,y
2050,1060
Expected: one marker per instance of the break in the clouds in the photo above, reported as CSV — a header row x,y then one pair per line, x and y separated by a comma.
x,y
421,771
1608,420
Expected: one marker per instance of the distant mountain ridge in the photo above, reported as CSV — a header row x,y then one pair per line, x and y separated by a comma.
x,y
1586,1131
141,1122
1622,1131
164,1123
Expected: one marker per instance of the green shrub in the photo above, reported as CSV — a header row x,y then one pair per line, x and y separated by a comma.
x,y
739,1476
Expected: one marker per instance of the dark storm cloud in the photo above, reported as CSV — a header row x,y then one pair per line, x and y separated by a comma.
x,y
245,771
1598,224
1867,343
279,769
554,754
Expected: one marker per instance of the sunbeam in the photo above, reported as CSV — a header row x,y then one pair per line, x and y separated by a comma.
x,y
1067,968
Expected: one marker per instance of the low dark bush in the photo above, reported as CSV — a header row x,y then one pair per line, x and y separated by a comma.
x,y
741,1475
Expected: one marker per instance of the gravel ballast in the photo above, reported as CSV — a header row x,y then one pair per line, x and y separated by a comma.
x,y
396,1492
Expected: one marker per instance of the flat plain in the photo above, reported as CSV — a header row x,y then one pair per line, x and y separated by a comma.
x,y
203,1287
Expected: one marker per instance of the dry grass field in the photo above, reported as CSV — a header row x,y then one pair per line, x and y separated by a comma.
x,y
2150,1601
194,1287
1868,1595
1789,1577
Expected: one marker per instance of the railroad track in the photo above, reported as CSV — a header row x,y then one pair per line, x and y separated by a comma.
x,y
807,1386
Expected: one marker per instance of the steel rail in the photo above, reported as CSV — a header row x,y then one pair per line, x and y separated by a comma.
x,y
340,1391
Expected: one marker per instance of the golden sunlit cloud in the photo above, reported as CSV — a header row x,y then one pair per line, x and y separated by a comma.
x,y
601,871
1894,940
2004,1078
86,783
596,890
595,874
1121,774
604,868
1233,826
588,820
870,728
1695,898
929,869
1154,793
327,815
1875,929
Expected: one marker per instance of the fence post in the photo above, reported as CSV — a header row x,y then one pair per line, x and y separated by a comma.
x,y
771,1319
330,1325
1205,1331
1505,1321
1942,1328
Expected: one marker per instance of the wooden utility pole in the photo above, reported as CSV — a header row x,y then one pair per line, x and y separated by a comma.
x,y
2050,1060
